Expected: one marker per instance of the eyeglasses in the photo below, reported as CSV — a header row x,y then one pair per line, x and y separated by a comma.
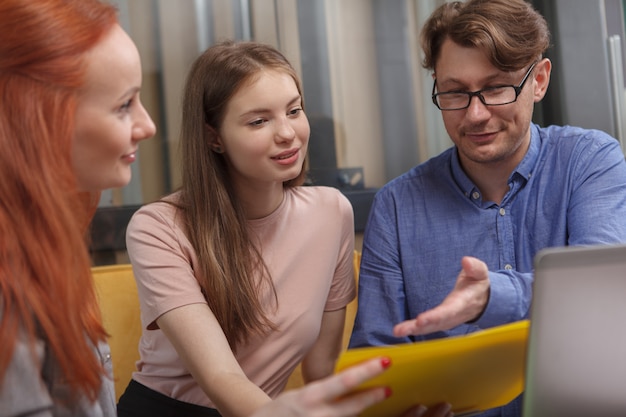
x,y
491,96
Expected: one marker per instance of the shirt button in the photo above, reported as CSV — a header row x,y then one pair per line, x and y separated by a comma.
x,y
475,195
502,212
508,267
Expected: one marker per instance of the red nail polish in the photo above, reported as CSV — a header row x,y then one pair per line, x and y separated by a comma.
x,y
385,362
388,392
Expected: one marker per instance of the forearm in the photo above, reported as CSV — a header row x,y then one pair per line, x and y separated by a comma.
x,y
319,362
197,337
315,369
238,396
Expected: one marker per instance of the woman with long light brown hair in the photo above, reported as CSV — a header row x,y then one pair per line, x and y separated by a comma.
x,y
243,273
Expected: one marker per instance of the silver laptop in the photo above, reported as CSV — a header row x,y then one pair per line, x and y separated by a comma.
x,y
576,359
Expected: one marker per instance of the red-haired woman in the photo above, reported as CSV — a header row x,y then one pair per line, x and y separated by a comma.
x,y
70,121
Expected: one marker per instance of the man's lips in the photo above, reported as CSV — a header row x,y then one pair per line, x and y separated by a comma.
x,y
480,136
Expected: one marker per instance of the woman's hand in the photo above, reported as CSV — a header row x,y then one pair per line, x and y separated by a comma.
x,y
331,397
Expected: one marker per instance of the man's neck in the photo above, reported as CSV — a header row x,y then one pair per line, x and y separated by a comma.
x,y
491,179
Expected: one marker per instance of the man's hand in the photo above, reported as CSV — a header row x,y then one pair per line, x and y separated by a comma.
x,y
465,303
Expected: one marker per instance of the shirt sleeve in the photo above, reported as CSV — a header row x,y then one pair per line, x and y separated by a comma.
x,y
343,286
381,289
597,209
509,298
163,262
24,393
595,183
33,385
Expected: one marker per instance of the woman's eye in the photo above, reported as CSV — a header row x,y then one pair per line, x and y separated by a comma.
x,y
126,105
257,122
295,111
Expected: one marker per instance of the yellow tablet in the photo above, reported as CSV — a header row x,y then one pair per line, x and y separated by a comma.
x,y
473,372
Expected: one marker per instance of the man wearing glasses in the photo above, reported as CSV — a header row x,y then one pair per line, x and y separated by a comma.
x,y
449,245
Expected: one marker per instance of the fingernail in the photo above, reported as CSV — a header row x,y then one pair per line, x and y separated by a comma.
x,y
388,392
419,411
385,362
447,410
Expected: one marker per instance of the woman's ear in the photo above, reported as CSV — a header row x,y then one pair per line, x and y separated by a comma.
x,y
214,139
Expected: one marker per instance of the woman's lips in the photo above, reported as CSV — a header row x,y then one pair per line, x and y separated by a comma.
x,y
287,157
130,157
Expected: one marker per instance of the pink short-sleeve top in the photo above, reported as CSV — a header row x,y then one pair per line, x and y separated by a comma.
x,y
307,245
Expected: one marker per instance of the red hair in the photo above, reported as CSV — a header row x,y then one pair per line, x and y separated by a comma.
x,y
46,289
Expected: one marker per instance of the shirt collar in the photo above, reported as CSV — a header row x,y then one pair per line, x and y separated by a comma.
x,y
524,169
460,177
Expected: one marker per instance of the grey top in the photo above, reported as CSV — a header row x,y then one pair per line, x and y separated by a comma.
x,y
36,388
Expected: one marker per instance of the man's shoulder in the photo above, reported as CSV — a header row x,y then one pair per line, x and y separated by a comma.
x,y
577,142
557,133
425,173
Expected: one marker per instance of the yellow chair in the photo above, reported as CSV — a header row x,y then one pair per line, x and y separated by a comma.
x,y
119,303
352,307
296,380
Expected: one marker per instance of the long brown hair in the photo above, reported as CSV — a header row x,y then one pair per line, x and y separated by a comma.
x,y
46,290
510,32
230,263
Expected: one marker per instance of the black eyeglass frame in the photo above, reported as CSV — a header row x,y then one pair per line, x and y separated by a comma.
x,y
471,94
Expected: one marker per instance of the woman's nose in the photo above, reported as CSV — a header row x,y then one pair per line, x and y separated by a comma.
x,y
284,130
144,127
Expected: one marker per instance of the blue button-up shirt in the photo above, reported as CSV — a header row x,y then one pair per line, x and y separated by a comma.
x,y
570,189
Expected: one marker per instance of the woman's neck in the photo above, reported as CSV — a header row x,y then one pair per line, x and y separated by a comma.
x,y
259,202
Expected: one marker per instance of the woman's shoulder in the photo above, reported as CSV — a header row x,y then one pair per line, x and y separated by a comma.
x,y
163,213
320,194
321,200
165,207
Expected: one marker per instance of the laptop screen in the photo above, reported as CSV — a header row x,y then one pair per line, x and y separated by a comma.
x,y
576,363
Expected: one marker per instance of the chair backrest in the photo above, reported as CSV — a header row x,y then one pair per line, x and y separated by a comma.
x,y
352,307
119,303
